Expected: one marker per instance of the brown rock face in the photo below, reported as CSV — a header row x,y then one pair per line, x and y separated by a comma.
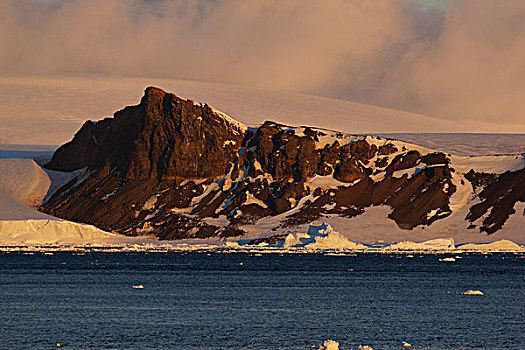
x,y
499,197
179,169
349,171
163,137
283,154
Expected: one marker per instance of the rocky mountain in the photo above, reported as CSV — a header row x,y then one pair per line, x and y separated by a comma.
x,y
180,169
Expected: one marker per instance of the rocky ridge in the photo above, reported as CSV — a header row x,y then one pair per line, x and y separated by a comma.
x,y
180,169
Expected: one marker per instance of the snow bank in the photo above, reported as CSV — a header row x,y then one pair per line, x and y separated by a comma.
x,y
502,245
59,106
23,186
432,245
48,231
320,237
23,181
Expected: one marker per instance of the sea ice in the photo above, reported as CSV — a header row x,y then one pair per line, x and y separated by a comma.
x,y
329,345
473,292
447,259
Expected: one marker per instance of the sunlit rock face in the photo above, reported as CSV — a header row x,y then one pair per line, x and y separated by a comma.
x,y
162,137
179,169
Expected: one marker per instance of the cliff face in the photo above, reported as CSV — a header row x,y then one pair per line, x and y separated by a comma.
x,y
163,137
179,169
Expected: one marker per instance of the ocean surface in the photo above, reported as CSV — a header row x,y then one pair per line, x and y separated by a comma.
x,y
246,301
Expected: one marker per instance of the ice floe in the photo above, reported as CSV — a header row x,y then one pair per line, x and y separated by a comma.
x,y
447,259
473,292
364,347
329,345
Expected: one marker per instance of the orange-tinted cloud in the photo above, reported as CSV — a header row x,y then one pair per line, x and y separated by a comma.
x,y
461,61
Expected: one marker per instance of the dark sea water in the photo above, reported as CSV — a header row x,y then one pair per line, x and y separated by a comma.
x,y
293,301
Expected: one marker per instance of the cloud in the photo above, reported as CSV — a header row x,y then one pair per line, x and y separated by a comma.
x,y
459,60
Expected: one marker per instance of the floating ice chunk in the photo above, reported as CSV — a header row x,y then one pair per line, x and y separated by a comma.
x,y
473,292
329,345
447,259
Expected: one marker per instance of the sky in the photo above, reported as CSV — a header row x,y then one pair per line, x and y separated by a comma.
x,y
459,60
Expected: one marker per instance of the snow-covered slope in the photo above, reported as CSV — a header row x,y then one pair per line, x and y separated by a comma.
x,y
49,111
465,144
23,184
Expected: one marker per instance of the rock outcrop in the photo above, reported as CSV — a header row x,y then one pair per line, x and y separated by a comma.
x,y
164,137
179,169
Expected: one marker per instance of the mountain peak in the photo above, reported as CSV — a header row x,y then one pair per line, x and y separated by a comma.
x,y
180,169
165,136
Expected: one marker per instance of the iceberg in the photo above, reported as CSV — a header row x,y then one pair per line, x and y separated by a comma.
x,y
321,236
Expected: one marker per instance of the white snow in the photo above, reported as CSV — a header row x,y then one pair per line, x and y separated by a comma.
x,y
489,164
48,231
461,144
40,110
501,245
320,237
23,185
434,245
251,199
325,182
374,225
